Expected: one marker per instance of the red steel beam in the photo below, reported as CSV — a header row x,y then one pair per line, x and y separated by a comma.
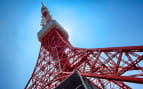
x,y
115,49
115,77
112,77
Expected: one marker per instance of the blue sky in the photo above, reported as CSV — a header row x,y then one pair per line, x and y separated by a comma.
x,y
90,24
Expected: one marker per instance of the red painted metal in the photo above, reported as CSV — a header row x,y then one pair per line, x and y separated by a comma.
x,y
104,67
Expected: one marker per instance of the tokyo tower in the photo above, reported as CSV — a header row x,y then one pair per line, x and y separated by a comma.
x,y
105,68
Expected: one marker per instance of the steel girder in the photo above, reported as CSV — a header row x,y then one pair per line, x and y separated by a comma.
x,y
106,68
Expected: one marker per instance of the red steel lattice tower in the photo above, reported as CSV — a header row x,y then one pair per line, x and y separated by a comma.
x,y
104,67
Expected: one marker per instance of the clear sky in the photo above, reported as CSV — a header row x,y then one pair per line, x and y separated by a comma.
x,y
90,24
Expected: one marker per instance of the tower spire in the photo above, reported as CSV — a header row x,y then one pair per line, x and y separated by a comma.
x,y
46,17
42,4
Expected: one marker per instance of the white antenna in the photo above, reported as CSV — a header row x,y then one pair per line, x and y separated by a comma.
x,y
42,4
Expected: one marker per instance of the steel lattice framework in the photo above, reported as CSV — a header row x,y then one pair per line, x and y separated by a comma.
x,y
106,68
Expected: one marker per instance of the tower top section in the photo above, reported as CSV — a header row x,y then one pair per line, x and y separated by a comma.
x,y
48,24
46,17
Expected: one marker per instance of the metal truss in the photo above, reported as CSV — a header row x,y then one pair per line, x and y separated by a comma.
x,y
106,68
